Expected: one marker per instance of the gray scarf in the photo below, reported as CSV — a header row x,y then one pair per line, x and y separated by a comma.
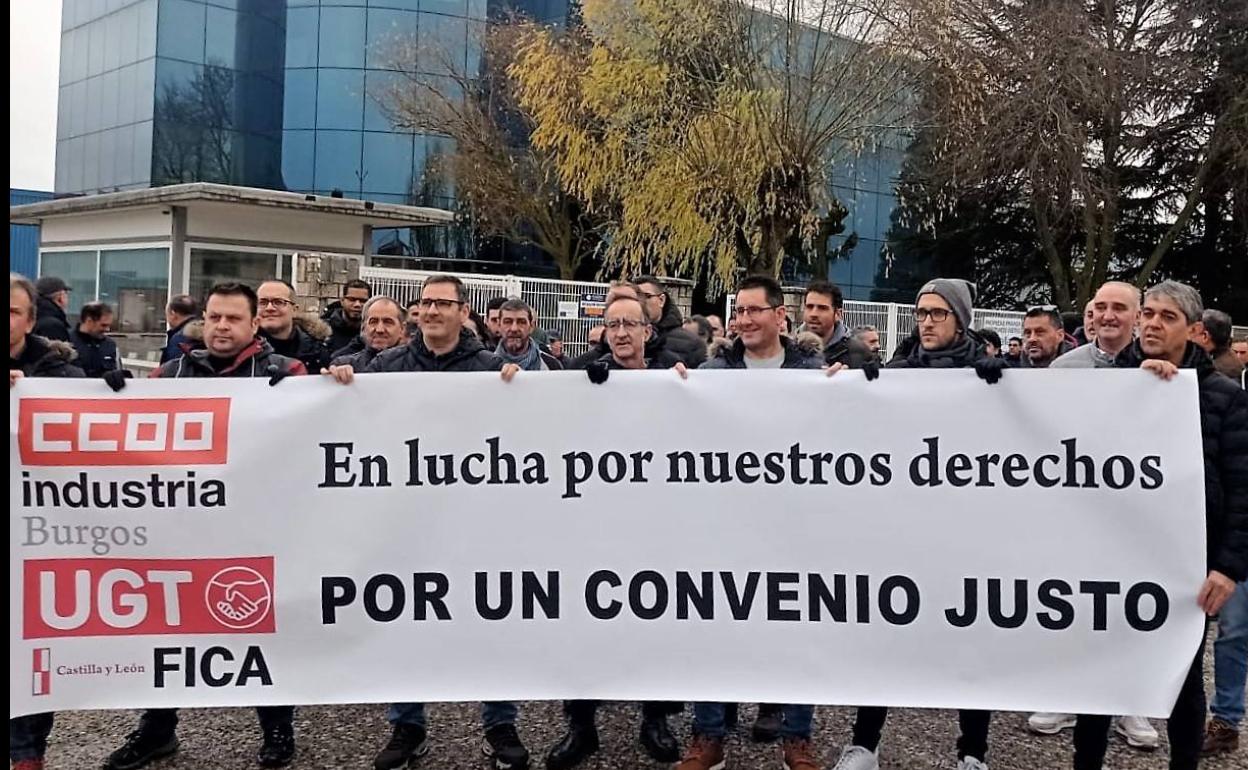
x,y
530,360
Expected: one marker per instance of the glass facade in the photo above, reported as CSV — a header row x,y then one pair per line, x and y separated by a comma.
x,y
866,185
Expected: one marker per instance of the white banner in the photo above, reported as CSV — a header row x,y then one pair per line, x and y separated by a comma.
x,y
763,536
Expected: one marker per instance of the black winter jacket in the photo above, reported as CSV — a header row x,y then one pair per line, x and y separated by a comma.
x,y
1224,432
468,356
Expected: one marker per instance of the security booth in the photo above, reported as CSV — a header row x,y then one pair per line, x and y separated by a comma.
x,y
135,249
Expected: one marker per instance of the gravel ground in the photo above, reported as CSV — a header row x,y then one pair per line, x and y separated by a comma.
x,y
348,736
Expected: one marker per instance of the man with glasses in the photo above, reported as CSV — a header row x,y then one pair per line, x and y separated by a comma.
x,y
627,334
1044,337
760,314
943,314
345,316
669,329
291,334
443,345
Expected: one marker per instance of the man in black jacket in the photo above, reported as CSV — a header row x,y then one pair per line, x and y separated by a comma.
x,y
443,345
97,352
668,324
31,356
1170,316
823,311
345,315
943,340
384,327
52,323
291,333
627,334
231,349
180,313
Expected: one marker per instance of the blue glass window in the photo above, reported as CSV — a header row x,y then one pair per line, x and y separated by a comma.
x,y
387,163
389,34
136,283
300,99
342,37
338,161
340,99
301,37
447,35
220,38
181,30
377,88
298,159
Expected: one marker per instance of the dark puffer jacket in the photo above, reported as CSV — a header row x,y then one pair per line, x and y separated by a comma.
x,y
341,330
46,358
96,355
1224,432
306,344
796,356
468,356
661,360
255,360
356,359
675,339
50,321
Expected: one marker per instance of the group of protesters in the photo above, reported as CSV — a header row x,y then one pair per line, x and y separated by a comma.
x,y
241,331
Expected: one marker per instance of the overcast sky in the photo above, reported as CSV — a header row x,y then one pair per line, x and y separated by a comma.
x,y
34,58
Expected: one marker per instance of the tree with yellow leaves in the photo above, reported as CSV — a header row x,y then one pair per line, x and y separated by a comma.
x,y
704,131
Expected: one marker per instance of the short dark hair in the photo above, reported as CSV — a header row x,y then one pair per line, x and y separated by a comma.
x,y
283,282
234,289
704,327
461,291
639,280
991,337
1218,325
828,289
495,303
413,302
514,304
1049,312
1019,340
775,294
1071,321
356,283
184,304
94,311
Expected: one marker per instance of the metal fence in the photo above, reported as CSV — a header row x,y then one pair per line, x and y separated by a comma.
x,y
571,307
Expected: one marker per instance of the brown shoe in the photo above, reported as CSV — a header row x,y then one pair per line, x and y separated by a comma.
x,y
703,754
1220,738
799,755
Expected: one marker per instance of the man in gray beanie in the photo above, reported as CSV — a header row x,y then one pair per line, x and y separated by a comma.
x,y
957,293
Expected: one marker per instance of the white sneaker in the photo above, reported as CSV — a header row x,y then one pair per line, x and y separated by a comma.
x,y
857,758
1138,732
971,763
1044,723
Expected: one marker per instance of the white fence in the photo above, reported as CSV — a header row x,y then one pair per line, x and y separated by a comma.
x,y
568,305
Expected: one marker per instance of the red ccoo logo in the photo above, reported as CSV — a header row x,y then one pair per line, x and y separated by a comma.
x,y
41,672
135,597
127,431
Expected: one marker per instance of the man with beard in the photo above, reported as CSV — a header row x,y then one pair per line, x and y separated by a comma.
x,y
344,316
1044,337
517,346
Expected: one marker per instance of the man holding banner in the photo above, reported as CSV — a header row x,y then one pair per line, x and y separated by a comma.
x,y
1170,314
443,345
232,349
942,314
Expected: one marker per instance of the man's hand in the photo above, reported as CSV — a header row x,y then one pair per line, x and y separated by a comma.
x,y
990,369
1163,369
1214,593
343,373
831,371
681,370
509,371
14,376
116,379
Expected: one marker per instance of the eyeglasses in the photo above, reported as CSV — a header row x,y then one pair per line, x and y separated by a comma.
x,y
276,302
628,324
937,314
440,304
1042,309
741,311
